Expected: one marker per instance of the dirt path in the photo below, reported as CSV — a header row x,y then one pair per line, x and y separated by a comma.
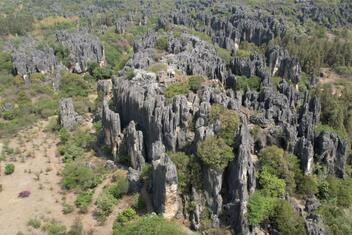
x,y
37,169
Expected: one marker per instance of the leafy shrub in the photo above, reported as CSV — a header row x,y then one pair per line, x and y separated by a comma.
x,y
54,228
155,68
244,83
67,208
283,166
270,184
105,204
78,176
224,54
34,223
344,70
161,43
287,221
9,169
215,153
308,185
83,200
146,172
76,228
100,73
336,220
179,88
229,120
130,73
150,225
119,188
74,85
195,82
138,203
260,208
181,161
124,217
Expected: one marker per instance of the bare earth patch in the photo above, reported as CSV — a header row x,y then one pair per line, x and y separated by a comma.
x,y
37,169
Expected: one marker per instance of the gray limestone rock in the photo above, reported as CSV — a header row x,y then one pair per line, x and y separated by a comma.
x,y
68,118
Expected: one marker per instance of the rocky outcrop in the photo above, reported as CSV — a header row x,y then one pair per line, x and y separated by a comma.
x,y
330,150
164,187
240,180
29,58
85,49
213,184
133,147
186,53
111,129
140,100
68,118
104,92
281,64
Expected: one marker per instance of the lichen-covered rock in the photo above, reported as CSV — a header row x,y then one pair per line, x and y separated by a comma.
x,y
68,118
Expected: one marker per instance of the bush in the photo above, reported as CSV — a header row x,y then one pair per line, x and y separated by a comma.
x,y
67,208
224,54
119,188
124,217
179,88
150,225
161,43
83,200
105,205
308,185
260,208
74,85
130,73
270,184
9,169
244,83
181,161
287,221
78,176
76,228
215,153
155,68
54,228
34,223
138,203
229,120
279,164
195,82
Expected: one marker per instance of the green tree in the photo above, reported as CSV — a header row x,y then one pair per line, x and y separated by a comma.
x,y
229,119
215,153
270,184
287,221
260,208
